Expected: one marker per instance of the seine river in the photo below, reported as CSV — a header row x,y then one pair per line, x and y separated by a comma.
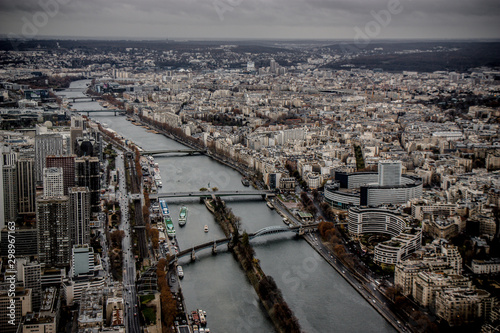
x,y
320,298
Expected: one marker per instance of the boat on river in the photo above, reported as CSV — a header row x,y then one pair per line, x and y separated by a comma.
x,y
170,227
205,228
180,272
183,216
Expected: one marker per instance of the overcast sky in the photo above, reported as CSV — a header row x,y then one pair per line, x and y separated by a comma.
x,y
317,19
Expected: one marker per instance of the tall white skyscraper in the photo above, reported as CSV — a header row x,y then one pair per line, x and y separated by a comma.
x,y
273,66
250,66
53,184
389,173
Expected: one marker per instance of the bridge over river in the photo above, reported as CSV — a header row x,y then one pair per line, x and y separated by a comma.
x,y
173,151
210,194
299,230
88,112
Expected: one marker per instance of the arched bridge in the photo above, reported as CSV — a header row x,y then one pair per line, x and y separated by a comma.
x,y
88,112
299,230
81,98
210,194
173,151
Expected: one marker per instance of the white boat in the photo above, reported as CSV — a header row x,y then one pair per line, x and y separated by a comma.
x,y
183,216
180,272
206,228
270,205
203,321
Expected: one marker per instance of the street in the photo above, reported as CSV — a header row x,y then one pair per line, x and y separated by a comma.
x,y
129,291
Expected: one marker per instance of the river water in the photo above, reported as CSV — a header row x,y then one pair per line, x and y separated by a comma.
x,y
320,298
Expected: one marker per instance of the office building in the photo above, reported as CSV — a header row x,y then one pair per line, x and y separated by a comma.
x,y
46,145
389,173
54,244
362,189
79,200
74,288
273,66
67,163
76,131
87,174
53,182
10,194
30,274
26,186
404,241
8,188
82,260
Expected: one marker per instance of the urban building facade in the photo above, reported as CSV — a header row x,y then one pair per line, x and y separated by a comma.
x,y
54,243
87,174
26,186
46,145
79,199
67,164
53,182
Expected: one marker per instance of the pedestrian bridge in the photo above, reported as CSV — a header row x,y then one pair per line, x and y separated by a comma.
x,y
299,230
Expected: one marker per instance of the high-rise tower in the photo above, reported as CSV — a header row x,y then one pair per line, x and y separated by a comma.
x,y
79,198
389,173
53,182
46,145
54,244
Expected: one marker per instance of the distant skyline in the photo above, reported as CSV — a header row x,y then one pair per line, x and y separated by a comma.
x,y
356,20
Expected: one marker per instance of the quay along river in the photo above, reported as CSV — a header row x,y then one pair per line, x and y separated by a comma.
x,y
320,298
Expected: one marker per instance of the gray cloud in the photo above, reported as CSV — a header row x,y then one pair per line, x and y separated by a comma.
x,y
250,18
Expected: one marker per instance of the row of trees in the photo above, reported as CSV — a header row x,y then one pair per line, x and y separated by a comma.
x,y
327,210
360,162
333,237
265,286
308,203
271,294
168,303
116,253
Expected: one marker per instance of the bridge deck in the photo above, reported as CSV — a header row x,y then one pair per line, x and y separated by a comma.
x,y
171,151
209,194
262,232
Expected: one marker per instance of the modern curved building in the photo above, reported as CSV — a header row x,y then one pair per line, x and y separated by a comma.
x,y
375,220
405,241
364,189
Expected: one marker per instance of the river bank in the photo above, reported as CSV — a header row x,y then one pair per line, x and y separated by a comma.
x,y
268,292
193,144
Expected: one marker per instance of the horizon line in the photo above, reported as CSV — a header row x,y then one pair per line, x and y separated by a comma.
x,y
181,39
